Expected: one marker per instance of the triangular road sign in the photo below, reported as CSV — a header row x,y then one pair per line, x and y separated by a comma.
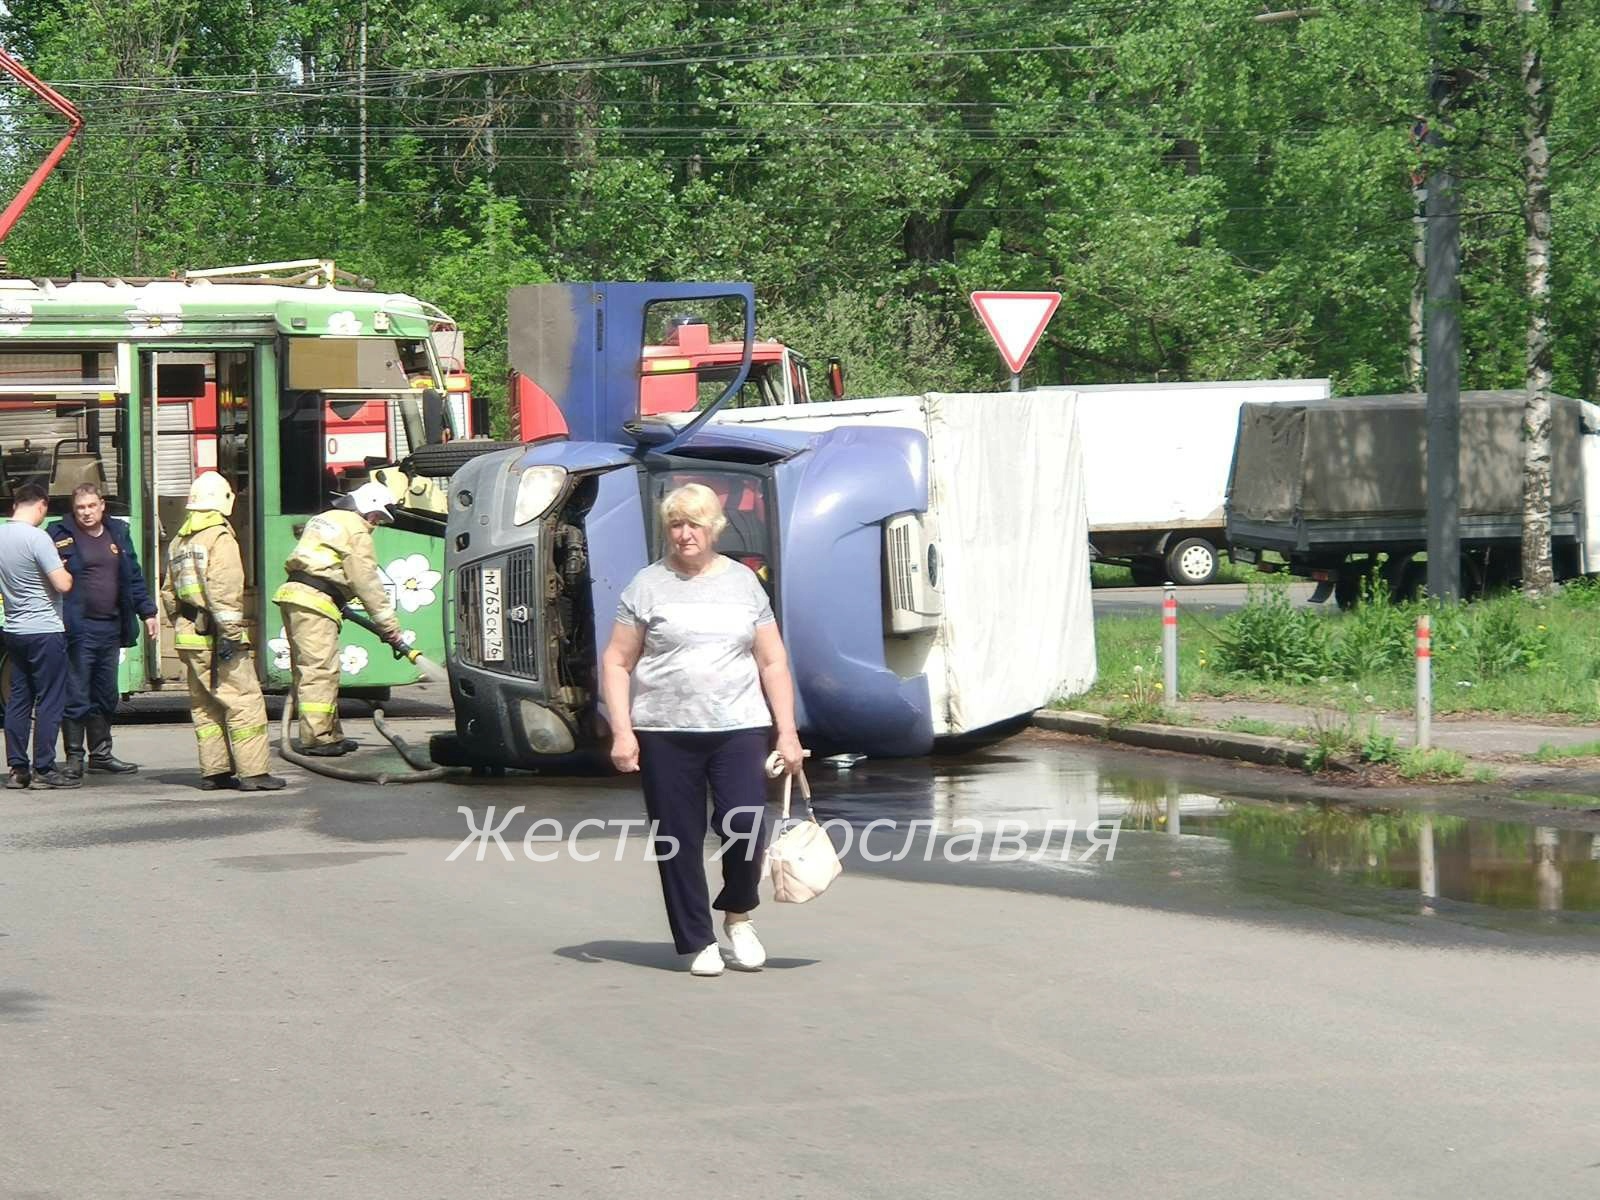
x,y
1015,320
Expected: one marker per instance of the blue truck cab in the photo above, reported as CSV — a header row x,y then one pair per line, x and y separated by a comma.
x,y
542,540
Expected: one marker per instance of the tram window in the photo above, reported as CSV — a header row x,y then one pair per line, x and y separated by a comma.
x,y
58,444
300,453
61,422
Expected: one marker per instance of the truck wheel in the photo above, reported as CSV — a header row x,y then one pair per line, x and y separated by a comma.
x,y
447,458
1192,561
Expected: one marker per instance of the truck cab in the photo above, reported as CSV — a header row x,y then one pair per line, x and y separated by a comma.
x,y
541,540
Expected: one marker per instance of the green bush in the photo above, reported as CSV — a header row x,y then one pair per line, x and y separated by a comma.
x,y
1377,636
1270,639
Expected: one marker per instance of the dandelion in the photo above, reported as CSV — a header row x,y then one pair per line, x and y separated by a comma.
x,y
1368,699
1138,670
1540,628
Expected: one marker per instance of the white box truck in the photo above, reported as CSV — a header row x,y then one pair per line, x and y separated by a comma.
x,y
1157,457
1005,622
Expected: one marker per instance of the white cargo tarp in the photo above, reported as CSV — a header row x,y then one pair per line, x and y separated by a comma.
x,y
1006,483
1157,454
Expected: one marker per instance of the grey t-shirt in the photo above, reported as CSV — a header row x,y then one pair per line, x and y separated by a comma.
x,y
27,555
697,670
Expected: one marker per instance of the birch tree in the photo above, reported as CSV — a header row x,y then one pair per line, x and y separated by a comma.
x,y
1538,577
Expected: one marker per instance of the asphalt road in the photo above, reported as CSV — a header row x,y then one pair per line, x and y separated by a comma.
x,y
1211,597
299,995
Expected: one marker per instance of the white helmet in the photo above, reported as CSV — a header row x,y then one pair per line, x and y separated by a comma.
x,y
372,498
210,493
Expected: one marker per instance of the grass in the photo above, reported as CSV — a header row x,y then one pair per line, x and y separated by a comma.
x,y
1261,728
1417,765
1548,753
1504,656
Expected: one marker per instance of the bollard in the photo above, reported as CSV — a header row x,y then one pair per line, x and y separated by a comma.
x,y
1169,647
1424,681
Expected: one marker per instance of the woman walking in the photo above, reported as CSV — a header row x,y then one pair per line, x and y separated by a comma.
x,y
696,682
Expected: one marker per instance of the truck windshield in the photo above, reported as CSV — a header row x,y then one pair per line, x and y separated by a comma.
x,y
745,503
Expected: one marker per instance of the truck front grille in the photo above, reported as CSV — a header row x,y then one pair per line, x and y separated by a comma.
x,y
521,614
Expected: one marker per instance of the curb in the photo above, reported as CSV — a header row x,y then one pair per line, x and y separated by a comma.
x,y
1244,747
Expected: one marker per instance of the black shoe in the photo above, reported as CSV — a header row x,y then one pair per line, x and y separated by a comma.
x,y
260,783
218,783
109,763
98,730
72,740
54,778
19,780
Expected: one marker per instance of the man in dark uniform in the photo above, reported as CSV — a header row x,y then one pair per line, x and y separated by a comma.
x,y
102,614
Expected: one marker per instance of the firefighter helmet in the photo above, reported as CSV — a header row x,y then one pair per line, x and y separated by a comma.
x,y
210,493
372,498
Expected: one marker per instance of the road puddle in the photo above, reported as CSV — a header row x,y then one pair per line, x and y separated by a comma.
x,y
1188,845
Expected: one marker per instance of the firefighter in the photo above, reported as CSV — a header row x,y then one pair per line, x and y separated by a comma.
x,y
203,595
334,563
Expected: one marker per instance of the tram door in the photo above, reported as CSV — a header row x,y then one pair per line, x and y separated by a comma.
x,y
197,410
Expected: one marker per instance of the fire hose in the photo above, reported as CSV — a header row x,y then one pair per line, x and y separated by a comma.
x,y
421,769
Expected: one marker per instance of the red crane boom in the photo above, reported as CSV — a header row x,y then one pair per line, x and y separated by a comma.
x,y
63,106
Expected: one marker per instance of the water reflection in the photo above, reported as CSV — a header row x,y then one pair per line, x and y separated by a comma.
x,y
1290,847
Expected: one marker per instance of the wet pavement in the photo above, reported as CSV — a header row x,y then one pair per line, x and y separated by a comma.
x,y
1245,849
1254,988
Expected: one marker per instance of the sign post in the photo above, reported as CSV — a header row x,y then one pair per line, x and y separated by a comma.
x,y
1015,320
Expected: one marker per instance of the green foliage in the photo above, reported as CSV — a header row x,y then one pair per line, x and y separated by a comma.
x,y
1215,198
1271,639
1417,764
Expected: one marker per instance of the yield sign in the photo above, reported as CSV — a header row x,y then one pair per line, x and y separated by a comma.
x,y
1015,320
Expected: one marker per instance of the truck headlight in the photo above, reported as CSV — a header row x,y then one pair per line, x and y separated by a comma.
x,y
538,489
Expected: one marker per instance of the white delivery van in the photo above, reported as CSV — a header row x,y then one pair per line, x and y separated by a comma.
x,y
1156,458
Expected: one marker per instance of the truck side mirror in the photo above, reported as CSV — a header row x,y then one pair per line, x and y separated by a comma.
x,y
836,378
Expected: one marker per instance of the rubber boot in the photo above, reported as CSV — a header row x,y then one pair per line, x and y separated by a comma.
x,y
72,739
100,756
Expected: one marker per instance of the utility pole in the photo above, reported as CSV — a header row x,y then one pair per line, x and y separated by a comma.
x,y
1444,330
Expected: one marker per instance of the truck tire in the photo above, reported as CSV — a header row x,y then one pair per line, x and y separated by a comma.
x,y
1191,562
447,458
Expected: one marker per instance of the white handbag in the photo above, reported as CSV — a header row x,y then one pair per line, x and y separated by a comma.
x,y
800,858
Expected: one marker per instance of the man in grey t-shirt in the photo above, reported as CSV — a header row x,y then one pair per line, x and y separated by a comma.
x,y
32,581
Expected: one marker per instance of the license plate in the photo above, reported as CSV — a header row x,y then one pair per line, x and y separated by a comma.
x,y
492,610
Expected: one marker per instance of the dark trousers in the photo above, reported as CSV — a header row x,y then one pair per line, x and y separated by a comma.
x,y
38,692
92,659
676,770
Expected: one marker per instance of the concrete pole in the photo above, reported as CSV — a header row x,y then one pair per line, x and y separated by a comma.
x,y
1169,646
1424,681
1444,337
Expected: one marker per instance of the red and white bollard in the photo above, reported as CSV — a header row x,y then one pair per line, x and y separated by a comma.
x,y
1169,647
1424,681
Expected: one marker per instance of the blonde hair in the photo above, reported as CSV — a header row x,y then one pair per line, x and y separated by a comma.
x,y
696,504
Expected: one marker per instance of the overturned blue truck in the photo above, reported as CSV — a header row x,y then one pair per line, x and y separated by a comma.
x,y
926,556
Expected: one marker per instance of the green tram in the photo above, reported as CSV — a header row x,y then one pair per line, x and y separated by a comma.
x,y
295,389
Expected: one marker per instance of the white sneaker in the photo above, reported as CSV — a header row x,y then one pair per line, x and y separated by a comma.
x,y
748,952
708,961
